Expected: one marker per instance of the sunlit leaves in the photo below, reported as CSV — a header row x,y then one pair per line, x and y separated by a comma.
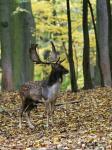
x,y
42,8
50,26
45,19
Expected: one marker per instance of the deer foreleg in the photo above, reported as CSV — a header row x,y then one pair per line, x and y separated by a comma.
x,y
52,112
47,107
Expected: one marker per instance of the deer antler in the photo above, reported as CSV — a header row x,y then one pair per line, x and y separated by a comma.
x,y
54,53
53,47
60,61
33,53
35,56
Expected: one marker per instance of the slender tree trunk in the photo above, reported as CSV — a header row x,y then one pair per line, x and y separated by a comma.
x,y
6,50
54,11
99,71
54,15
103,40
70,52
86,49
76,59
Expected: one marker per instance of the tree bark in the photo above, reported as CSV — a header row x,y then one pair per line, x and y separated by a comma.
x,y
6,49
17,47
110,32
70,51
21,39
86,49
104,40
29,30
98,80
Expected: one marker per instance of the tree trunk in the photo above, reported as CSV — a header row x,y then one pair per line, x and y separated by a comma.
x,y
6,50
98,75
16,28
103,40
17,47
29,30
86,49
110,33
54,14
70,52
21,39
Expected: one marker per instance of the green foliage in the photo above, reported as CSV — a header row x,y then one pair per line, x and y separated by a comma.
x,y
53,26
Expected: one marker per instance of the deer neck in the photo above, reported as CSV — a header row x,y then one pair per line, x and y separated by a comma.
x,y
50,92
55,77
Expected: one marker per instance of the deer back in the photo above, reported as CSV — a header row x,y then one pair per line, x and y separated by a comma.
x,y
32,89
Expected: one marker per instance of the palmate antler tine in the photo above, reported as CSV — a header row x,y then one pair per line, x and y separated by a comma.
x,y
60,61
53,47
54,53
33,51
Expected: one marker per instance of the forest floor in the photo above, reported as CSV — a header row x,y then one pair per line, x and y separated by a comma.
x,y
83,123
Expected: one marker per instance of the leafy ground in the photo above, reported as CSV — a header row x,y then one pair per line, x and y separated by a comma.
x,y
83,125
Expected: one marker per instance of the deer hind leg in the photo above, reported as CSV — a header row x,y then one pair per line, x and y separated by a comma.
x,y
23,109
26,107
21,113
28,120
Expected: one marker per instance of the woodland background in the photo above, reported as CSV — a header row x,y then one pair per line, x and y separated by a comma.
x,y
82,33
80,29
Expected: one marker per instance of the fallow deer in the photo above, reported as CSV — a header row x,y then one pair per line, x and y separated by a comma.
x,y
35,92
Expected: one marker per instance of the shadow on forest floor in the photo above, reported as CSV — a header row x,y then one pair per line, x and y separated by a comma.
x,y
84,125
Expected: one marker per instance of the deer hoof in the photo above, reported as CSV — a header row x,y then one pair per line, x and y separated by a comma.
x,y
31,126
46,126
20,126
